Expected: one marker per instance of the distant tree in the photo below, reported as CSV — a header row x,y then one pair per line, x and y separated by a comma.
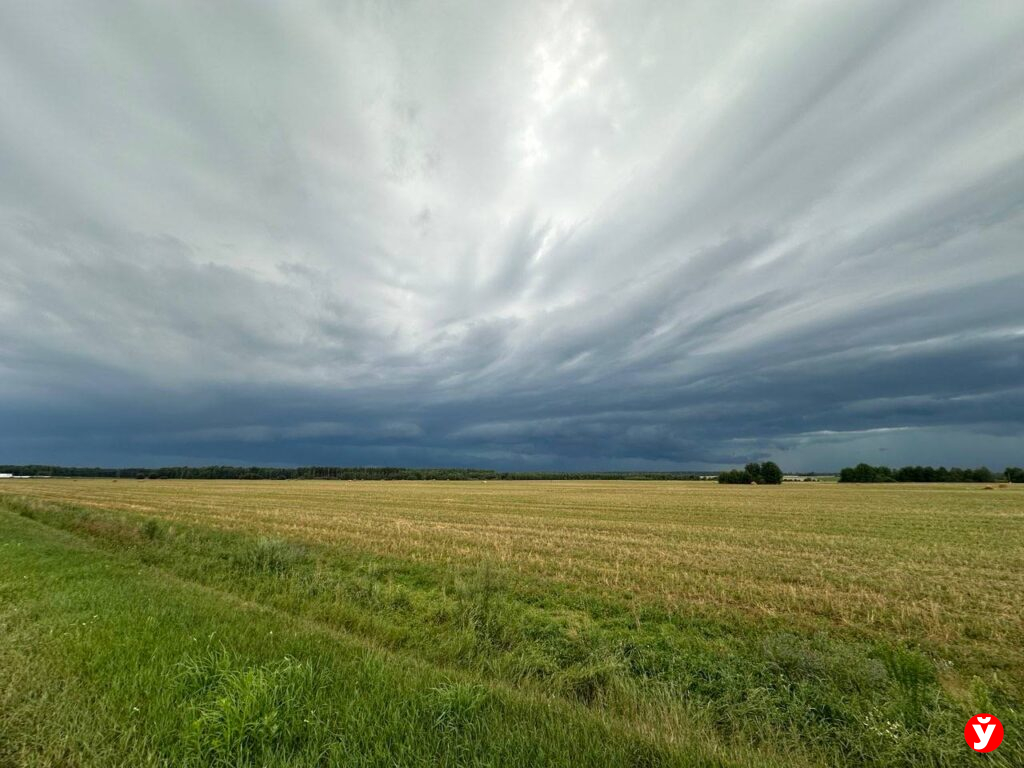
x,y
982,475
734,477
771,474
767,473
865,473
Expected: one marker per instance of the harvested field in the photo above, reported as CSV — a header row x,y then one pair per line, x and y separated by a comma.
x,y
802,624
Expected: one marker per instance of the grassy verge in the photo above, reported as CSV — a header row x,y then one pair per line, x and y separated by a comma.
x,y
672,687
108,663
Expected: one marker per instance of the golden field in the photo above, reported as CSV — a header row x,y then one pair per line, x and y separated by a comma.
x,y
933,562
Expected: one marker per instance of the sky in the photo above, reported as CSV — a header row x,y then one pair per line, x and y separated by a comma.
x,y
515,235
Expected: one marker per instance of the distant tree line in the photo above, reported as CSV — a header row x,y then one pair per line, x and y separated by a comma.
x,y
327,473
767,473
865,473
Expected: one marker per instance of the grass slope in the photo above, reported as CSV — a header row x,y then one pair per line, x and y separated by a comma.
x,y
110,663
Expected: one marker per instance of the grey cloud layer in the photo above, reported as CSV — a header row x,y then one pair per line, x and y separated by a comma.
x,y
513,234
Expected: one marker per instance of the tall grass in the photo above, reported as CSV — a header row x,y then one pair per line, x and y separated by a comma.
x,y
113,665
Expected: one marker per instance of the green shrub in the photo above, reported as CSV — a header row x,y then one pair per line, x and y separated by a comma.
x,y
150,529
269,556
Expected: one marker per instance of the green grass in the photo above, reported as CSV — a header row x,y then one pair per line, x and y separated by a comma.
x,y
110,663
139,639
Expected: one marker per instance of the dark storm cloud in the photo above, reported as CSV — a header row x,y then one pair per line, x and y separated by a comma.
x,y
514,235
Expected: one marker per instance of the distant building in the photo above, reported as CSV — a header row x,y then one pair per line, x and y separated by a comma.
x,y
799,479
5,474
